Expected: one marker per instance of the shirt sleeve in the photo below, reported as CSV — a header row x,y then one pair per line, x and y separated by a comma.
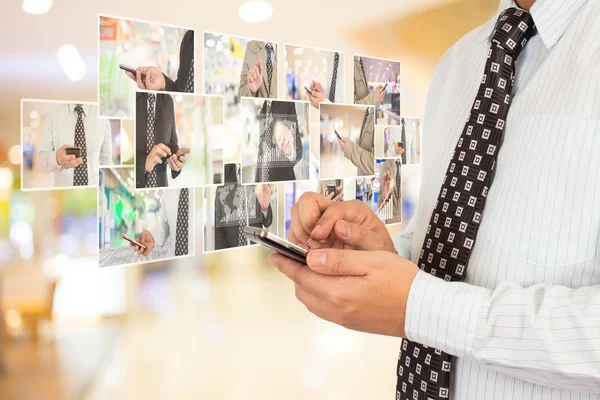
x,y
48,148
106,150
161,231
545,334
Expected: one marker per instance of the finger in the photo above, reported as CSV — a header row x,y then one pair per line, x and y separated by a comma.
x,y
292,238
159,151
165,148
131,76
156,159
138,79
178,164
345,262
330,195
310,208
146,251
358,236
69,157
299,233
352,211
260,66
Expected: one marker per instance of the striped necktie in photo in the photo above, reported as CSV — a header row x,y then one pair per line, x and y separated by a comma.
x,y
269,48
336,63
182,227
80,173
151,180
189,83
424,372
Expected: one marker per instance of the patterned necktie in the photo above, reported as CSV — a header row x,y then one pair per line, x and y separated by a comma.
x,y
181,230
80,173
151,181
336,61
189,83
269,48
242,241
364,123
403,137
362,68
424,372
267,142
398,181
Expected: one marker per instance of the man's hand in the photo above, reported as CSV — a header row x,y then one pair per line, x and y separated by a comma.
x,y
317,96
147,240
67,161
177,161
155,80
381,93
156,155
263,194
318,222
365,291
340,193
285,139
398,149
254,76
342,143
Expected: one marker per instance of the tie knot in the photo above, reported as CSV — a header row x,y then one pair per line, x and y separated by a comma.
x,y
151,98
269,47
79,110
513,30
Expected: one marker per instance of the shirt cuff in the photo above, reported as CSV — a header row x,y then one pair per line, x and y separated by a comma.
x,y
443,314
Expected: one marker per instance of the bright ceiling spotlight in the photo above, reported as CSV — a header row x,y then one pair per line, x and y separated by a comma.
x,y
256,11
37,7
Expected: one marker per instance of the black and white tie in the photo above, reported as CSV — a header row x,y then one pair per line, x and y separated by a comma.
x,y
362,68
242,240
336,62
267,144
424,372
80,172
364,123
269,48
398,179
151,180
189,83
182,228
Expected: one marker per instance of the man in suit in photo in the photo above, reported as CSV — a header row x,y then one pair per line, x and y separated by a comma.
x,y
156,80
362,94
238,206
362,153
78,125
259,71
337,194
174,224
280,142
335,83
156,141
388,202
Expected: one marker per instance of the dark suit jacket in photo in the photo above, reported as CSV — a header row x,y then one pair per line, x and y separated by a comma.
x,y
186,55
281,168
165,132
227,234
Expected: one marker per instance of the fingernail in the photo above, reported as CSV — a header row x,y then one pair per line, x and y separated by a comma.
x,y
316,229
313,244
344,229
318,258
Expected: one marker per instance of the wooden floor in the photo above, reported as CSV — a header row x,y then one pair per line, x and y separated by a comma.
x,y
126,255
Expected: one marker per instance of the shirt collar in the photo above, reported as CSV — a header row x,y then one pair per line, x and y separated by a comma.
x,y
552,18
86,108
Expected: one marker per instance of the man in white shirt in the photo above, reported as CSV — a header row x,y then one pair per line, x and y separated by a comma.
x,y
69,125
523,320
335,83
174,223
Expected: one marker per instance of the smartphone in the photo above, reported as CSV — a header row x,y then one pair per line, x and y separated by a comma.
x,y
73,151
185,153
338,135
331,189
384,87
133,241
308,90
132,70
276,243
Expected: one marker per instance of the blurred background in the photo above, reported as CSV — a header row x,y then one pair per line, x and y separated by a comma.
x,y
251,128
199,121
218,326
133,43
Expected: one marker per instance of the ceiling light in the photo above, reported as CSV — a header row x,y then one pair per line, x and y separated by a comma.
x,y
256,11
298,51
37,7
71,62
14,154
210,43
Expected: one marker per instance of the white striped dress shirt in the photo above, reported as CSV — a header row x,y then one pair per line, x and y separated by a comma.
x,y
525,324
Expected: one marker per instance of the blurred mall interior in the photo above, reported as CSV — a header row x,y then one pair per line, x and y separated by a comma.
x,y
217,326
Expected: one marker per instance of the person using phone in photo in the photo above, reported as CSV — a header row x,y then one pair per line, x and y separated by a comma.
x,y
362,153
362,94
388,200
259,70
155,79
173,227
75,125
156,141
280,142
237,206
333,189
335,83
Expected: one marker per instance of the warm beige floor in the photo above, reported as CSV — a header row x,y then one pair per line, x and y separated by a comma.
x,y
239,334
